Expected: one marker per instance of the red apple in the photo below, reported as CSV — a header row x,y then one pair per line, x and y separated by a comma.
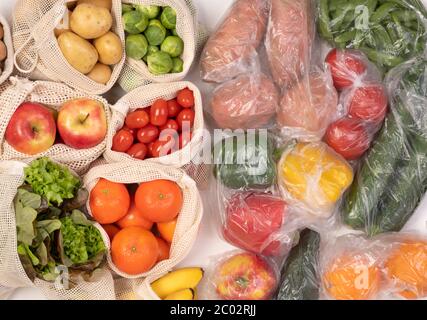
x,y
245,276
32,129
82,123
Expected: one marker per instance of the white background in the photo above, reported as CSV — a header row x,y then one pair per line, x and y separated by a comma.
x,y
208,243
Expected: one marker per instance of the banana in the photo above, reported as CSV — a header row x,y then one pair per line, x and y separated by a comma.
x,y
176,281
186,294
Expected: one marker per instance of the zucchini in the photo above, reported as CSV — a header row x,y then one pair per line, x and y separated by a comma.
x,y
300,279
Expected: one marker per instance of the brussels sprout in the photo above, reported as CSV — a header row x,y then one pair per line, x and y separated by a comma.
x,y
178,65
174,32
151,49
155,33
159,63
135,22
173,45
136,46
126,8
168,18
150,11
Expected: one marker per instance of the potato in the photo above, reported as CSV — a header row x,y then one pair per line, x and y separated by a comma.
x,y
63,26
3,51
109,48
90,22
107,4
100,73
80,53
1,32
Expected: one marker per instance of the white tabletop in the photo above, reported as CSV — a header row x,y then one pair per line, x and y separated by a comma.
x,y
208,243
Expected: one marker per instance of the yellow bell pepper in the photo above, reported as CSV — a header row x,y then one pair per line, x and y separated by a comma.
x,y
314,174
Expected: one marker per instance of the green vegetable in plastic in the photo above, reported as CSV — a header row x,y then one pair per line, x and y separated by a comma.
x,y
151,12
159,63
136,46
168,18
178,65
151,49
174,32
155,33
173,45
135,22
51,181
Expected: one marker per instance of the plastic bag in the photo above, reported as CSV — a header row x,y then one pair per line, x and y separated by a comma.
x,y
312,178
393,175
232,49
389,32
246,102
239,275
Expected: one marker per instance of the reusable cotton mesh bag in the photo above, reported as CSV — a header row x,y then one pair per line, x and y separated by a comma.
x,y
135,72
7,39
37,53
188,220
13,275
53,95
145,96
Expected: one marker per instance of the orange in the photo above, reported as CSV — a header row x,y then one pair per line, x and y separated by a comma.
x,y
111,230
164,249
134,250
352,277
109,201
134,219
407,269
167,230
159,200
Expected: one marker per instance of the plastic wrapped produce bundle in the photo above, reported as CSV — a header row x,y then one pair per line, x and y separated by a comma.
x,y
390,32
247,102
393,176
290,34
231,50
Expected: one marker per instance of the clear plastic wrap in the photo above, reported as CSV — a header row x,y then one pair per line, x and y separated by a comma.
x,y
312,178
232,49
246,102
239,275
390,32
393,176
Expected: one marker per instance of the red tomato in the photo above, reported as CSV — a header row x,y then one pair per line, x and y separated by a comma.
x,y
111,230
348,137
170,124
133,131
163,147
173,108
134,218
252,218
184,139
346,67
369,103
164,249
159,113
138,151
186,98
148,134
150,149
185,119
137,119
122,141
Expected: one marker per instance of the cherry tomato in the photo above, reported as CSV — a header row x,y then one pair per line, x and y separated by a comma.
x,y
173,108
148,134
159,113
346,67
133,131
138,151
170,124
122,141
150,149
163,147
184,139
348,137
186,98
185,119
137,119
369,103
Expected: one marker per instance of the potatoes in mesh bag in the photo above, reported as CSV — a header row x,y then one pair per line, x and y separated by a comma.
x,y
53,41
6,50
